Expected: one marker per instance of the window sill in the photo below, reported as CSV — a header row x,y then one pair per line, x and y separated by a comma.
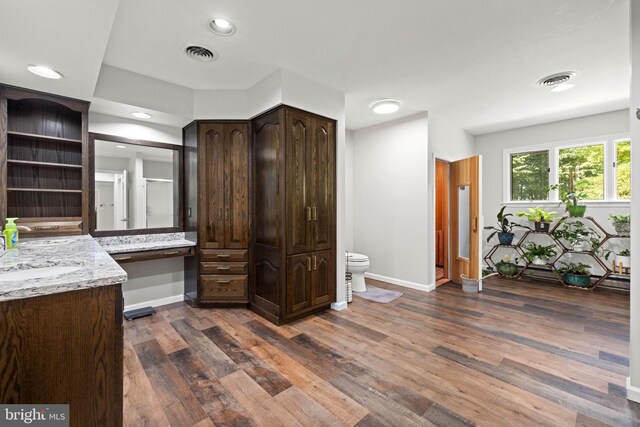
x,y
594,203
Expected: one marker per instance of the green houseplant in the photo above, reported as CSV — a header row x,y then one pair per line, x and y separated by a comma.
x,y
621,258
622,224
572,196
578,235
504,229
506,267
539,254
541,218
575,274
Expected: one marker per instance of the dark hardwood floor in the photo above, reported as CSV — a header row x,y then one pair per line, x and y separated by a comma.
x,y
518,354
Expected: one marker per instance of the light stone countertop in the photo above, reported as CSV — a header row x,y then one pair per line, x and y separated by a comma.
x,y
82,261
143,242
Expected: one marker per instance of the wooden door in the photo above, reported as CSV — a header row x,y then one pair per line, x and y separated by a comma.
x,y
442,220
298,200
320,183
211,191
322,278
299,272
236,175
464,196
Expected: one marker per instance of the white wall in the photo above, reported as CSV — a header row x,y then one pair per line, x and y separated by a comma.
x,y
491,147
390,198
348,191
134,129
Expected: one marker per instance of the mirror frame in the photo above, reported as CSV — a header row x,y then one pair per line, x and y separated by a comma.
x,y
92,186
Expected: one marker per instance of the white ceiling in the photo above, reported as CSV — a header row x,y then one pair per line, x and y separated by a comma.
x,y
471,62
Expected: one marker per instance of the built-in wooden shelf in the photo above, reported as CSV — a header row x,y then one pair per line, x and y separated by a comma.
x,y
45,190
43,137
50,164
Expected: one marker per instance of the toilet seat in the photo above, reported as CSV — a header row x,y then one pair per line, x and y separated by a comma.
x,y
356,258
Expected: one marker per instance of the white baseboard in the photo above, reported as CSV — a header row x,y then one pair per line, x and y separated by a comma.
x,y
155,302
399,282
633,393
338,306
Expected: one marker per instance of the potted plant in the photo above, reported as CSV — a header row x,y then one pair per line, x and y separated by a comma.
x,y
623,257
622,224
506,267
539,254
541,218
578,235
572,197
575,274
504,229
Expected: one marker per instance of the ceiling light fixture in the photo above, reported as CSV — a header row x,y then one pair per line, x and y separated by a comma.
x,y
141,115
385,106
222,26
121,146
562,87
46,72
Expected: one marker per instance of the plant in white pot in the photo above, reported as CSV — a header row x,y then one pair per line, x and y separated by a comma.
x,y
622,224
580,236
622,258
539,254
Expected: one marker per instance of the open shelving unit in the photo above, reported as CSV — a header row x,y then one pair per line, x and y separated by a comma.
x,y
563,251
44,148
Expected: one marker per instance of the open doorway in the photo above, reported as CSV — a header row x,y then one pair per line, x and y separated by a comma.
x,y
442,222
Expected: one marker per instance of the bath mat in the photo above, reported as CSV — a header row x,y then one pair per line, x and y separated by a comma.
x,y
378,295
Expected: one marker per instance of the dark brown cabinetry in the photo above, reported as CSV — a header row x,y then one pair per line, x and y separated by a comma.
x,y
43,161
294,214
217,203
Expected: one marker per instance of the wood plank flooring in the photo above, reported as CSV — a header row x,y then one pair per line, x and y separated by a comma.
x,y
518,354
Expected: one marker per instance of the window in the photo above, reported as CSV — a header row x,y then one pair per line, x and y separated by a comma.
x,y
601,170
530,176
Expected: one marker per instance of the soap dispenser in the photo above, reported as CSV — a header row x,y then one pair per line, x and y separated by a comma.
x,y
11,233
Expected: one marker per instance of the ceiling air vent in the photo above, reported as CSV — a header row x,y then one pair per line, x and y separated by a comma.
x,y
556,79
200,53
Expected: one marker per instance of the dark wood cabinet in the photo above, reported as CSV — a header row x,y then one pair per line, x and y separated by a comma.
x,y
217,205
293,266
44,161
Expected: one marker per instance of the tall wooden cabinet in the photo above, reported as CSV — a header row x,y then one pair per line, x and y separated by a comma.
x,y
44,161
217,211
293,270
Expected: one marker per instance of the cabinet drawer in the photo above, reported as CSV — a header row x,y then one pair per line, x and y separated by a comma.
x,y
224,267
226,255
223,288
50,226
148,255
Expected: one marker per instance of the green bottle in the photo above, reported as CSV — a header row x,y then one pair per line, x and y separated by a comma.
x,y
11,233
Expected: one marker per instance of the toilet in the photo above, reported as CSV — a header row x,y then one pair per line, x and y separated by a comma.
x,y
357,265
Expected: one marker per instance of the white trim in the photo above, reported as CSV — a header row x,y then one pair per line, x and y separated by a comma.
x,y
155,302
399,282
339,306
633,392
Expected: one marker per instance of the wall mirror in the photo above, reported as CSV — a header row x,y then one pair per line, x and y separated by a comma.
x,y
463,221
136,186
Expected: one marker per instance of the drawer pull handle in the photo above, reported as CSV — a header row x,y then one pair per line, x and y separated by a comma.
x,y
45,227
171,253
224,282
223,256
224,268
308,209
308,263
315,262
314,214
123,258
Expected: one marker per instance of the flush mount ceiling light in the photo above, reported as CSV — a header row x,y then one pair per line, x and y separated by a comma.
x,y
222,26
46,72
558,82
201,53
141,115
385,106
121,146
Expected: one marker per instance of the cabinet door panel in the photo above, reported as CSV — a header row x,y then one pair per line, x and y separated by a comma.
x,y
236,175
298,283
211,190
320,179
298,201
323,283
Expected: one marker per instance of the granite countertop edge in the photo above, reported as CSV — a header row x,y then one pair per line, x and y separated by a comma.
x,y
147,246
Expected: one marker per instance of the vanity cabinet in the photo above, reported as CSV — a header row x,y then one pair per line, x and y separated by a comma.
x,y
217,202
43,162
293,268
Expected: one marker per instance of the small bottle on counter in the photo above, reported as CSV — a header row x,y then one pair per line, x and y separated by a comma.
x,y
10,233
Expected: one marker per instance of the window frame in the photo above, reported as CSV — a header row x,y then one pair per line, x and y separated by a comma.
x,y
610,191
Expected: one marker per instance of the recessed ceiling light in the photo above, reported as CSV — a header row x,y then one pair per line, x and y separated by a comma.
x,y
222,26
141,115
121,146
42,71
562,87
385,106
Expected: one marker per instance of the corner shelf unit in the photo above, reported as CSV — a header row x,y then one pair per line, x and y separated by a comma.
x,y
563,250
44,160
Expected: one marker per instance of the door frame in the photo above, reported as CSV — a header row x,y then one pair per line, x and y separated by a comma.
x,y
446,226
